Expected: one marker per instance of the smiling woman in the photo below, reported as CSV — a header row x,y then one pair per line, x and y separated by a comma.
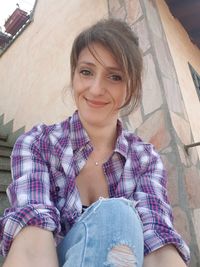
x,y
95,187
99,86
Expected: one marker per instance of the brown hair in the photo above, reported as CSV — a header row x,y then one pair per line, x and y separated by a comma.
x,y
116,36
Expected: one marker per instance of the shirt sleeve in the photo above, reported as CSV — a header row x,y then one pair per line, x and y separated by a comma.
x,y
29,192
153,205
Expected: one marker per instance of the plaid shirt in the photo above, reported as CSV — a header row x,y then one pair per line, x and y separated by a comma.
x,y
45,164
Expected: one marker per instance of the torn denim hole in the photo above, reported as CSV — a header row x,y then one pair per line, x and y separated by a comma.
x,y
121,255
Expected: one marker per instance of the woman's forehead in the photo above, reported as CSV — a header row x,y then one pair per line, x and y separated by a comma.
x,y
97,53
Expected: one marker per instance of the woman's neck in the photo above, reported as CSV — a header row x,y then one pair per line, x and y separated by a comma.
x,y
102,137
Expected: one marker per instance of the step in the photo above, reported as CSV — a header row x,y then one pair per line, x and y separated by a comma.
x,y
3,137
3,188
5,144
12,137
1,261
5,180
6,128
1,119
4,163
4,203
5,151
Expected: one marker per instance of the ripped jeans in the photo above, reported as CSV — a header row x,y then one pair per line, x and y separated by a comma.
x,y
109,233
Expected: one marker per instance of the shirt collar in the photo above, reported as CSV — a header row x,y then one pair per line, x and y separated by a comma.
x,y
80,138
121,143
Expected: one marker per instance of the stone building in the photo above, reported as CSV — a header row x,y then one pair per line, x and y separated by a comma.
x,y
35,87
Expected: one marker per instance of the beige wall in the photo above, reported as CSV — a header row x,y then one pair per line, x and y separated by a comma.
x,y
183,51
35,69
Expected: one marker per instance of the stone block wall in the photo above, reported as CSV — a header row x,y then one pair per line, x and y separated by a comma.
x,y
162,118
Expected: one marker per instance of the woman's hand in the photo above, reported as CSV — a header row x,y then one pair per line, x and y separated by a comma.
x,y
32,247
164,257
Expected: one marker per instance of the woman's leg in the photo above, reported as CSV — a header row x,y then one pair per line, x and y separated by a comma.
x,y
109,233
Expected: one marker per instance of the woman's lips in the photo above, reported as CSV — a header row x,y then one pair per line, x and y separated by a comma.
x,y
95,103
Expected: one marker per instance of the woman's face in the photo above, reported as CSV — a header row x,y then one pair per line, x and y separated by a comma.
x,y
99,86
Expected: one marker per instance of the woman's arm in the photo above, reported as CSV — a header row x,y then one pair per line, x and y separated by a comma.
x,y
154,208
164,257
30,193
32,247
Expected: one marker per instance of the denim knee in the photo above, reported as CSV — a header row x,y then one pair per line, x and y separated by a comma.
x,y
106,226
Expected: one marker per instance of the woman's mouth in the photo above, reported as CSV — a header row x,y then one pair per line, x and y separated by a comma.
x,y
96,103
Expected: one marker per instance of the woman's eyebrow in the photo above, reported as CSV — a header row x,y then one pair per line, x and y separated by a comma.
x,y
110,68
86,63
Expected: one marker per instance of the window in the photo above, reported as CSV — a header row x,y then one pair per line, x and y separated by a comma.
x,y
196,79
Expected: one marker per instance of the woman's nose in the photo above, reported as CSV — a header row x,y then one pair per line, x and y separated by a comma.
x,y
97,86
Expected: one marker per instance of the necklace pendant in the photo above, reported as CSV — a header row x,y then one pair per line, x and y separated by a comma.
x,y
96,163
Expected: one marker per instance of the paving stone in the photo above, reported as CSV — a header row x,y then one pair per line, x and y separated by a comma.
x,y
153,18
193,155
196,222
154,130
182,128
134,10
114,5
192,185
188,159
172,181
152,98
129,10
183,156
167,150
163,57
181,224
173,95
117,9
140,29
135,119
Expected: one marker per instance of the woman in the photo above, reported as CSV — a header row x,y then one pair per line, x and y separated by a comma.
x,y
94,187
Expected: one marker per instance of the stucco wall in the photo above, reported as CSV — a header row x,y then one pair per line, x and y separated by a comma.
x,y
35,68
183,51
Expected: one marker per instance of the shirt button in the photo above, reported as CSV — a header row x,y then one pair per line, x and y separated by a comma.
x,y
57,188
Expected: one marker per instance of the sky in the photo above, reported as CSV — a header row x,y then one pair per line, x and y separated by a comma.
x,y
8,6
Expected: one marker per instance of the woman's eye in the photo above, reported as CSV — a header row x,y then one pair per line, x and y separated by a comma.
x,y
116,77
85,72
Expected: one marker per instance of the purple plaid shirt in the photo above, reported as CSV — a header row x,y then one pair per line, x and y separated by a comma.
x,y
45,164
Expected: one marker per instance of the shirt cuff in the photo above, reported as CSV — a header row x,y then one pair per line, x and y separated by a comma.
x,y
154,241
14,220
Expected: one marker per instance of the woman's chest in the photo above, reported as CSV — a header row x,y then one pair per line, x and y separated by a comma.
x,y
75,181
92,183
